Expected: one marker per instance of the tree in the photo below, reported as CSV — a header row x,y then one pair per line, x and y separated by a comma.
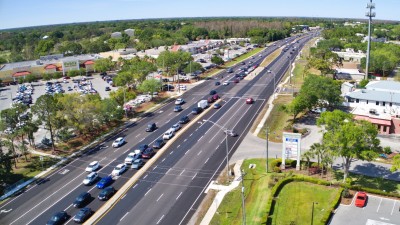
x,y
122,95
217,60
46,108
321,91
174,61
298,105
193,66
44,47
73,73
395,163
103,65
150,85
363,83
349,139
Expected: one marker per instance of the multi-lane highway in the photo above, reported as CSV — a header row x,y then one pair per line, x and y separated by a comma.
x,y
171,190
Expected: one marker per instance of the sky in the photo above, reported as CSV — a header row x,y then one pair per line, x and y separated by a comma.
x,y
24,13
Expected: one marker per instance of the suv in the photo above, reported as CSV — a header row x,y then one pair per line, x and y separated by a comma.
x,y
197,110
168,134
184,119
82,199
141,148
131,157
159,143
151,127
106,193
92,177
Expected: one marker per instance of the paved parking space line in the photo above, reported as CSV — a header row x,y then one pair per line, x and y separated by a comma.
x,y
394,205
380,202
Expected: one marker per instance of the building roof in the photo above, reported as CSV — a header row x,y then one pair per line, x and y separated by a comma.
x,y
374,120
384,85
349,71
20,74
89,62
50,66
374,95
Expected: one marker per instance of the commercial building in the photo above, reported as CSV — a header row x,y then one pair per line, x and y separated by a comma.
x,y
378,103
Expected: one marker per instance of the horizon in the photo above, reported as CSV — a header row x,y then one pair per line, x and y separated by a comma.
x,y
104,11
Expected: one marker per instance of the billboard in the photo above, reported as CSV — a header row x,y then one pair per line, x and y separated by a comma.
x,y
291,148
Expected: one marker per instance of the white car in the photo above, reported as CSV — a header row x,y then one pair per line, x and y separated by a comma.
x,y
91,178
225,83
179,101
168,135
182,87
93,166
119,169
118,142
131,157
176,127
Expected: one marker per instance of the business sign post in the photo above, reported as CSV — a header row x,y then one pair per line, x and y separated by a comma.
x,y
291,148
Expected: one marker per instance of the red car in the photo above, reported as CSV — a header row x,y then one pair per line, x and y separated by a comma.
x,y
249,101
361,199
236,80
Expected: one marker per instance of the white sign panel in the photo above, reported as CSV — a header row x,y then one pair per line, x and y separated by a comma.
x,y
291,148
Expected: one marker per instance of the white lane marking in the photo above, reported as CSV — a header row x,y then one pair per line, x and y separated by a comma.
x,y
184,140
158,199
134,186
124,216
160,219
182,172
171,152
147,192
141,140
378,205
123,196
179,195
394,204
178,146
187,152
168,121
168,171
163,160
217,147
137,135
154,167
206,160
199,152
194,176
200,138
116,149
145,176
190,134
169,114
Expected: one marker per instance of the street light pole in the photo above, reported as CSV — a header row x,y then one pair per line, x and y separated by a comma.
x,y
266,166
312,213
243,202
273,74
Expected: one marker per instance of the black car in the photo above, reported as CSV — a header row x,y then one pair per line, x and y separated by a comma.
x,y
83,215
184,119
82,199
108,88
159,143
151,127
197,110
213,92
103,73
142,147
58,218
148,153
106,193
167,87
217,83
230,70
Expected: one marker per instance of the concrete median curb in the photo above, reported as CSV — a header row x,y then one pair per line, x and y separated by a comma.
x,y
104,209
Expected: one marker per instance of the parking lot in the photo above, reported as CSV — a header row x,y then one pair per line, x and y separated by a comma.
x,y
378,211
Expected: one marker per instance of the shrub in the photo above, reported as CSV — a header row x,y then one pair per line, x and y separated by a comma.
x,y
346,193
328,213
276,163
314,164
277,169
75,143
57,75
46,76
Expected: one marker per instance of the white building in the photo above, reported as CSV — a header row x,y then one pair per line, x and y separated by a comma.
x,y
116,35
130,32
378,103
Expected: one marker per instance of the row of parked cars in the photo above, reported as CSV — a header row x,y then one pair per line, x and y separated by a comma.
x,y
23,95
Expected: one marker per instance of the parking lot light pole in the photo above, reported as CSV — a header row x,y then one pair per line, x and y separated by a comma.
x,y
243,202
226,143
266,166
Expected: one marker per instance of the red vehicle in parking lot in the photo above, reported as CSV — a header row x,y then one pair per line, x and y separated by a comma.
x,y
361,199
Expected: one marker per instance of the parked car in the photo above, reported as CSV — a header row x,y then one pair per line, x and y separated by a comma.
x,y
151,127
225,83
217,83
168,134
179,101
58,218
249,101
213,92
148,153
82,199
107,88
104,182
93,166
197,110
361,199
137,164
119,169
83,214
178,108
90,178
184,119
118,142
229,70
159,143
106,193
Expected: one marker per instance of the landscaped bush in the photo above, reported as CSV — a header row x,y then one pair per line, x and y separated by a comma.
x,y
277,169
328,213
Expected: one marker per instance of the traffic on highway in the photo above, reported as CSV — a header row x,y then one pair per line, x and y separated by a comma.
x,y
156,169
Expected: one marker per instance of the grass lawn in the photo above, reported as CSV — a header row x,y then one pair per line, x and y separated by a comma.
x,y
256,195
294,203
243,57
277,120
271,57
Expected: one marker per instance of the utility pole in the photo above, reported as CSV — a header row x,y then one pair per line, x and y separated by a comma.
x,y
243,202
369,14
266,166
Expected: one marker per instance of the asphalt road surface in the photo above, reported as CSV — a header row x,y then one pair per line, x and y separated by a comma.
x,y
171,190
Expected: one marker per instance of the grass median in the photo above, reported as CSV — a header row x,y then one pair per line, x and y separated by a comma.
x,y
243,57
